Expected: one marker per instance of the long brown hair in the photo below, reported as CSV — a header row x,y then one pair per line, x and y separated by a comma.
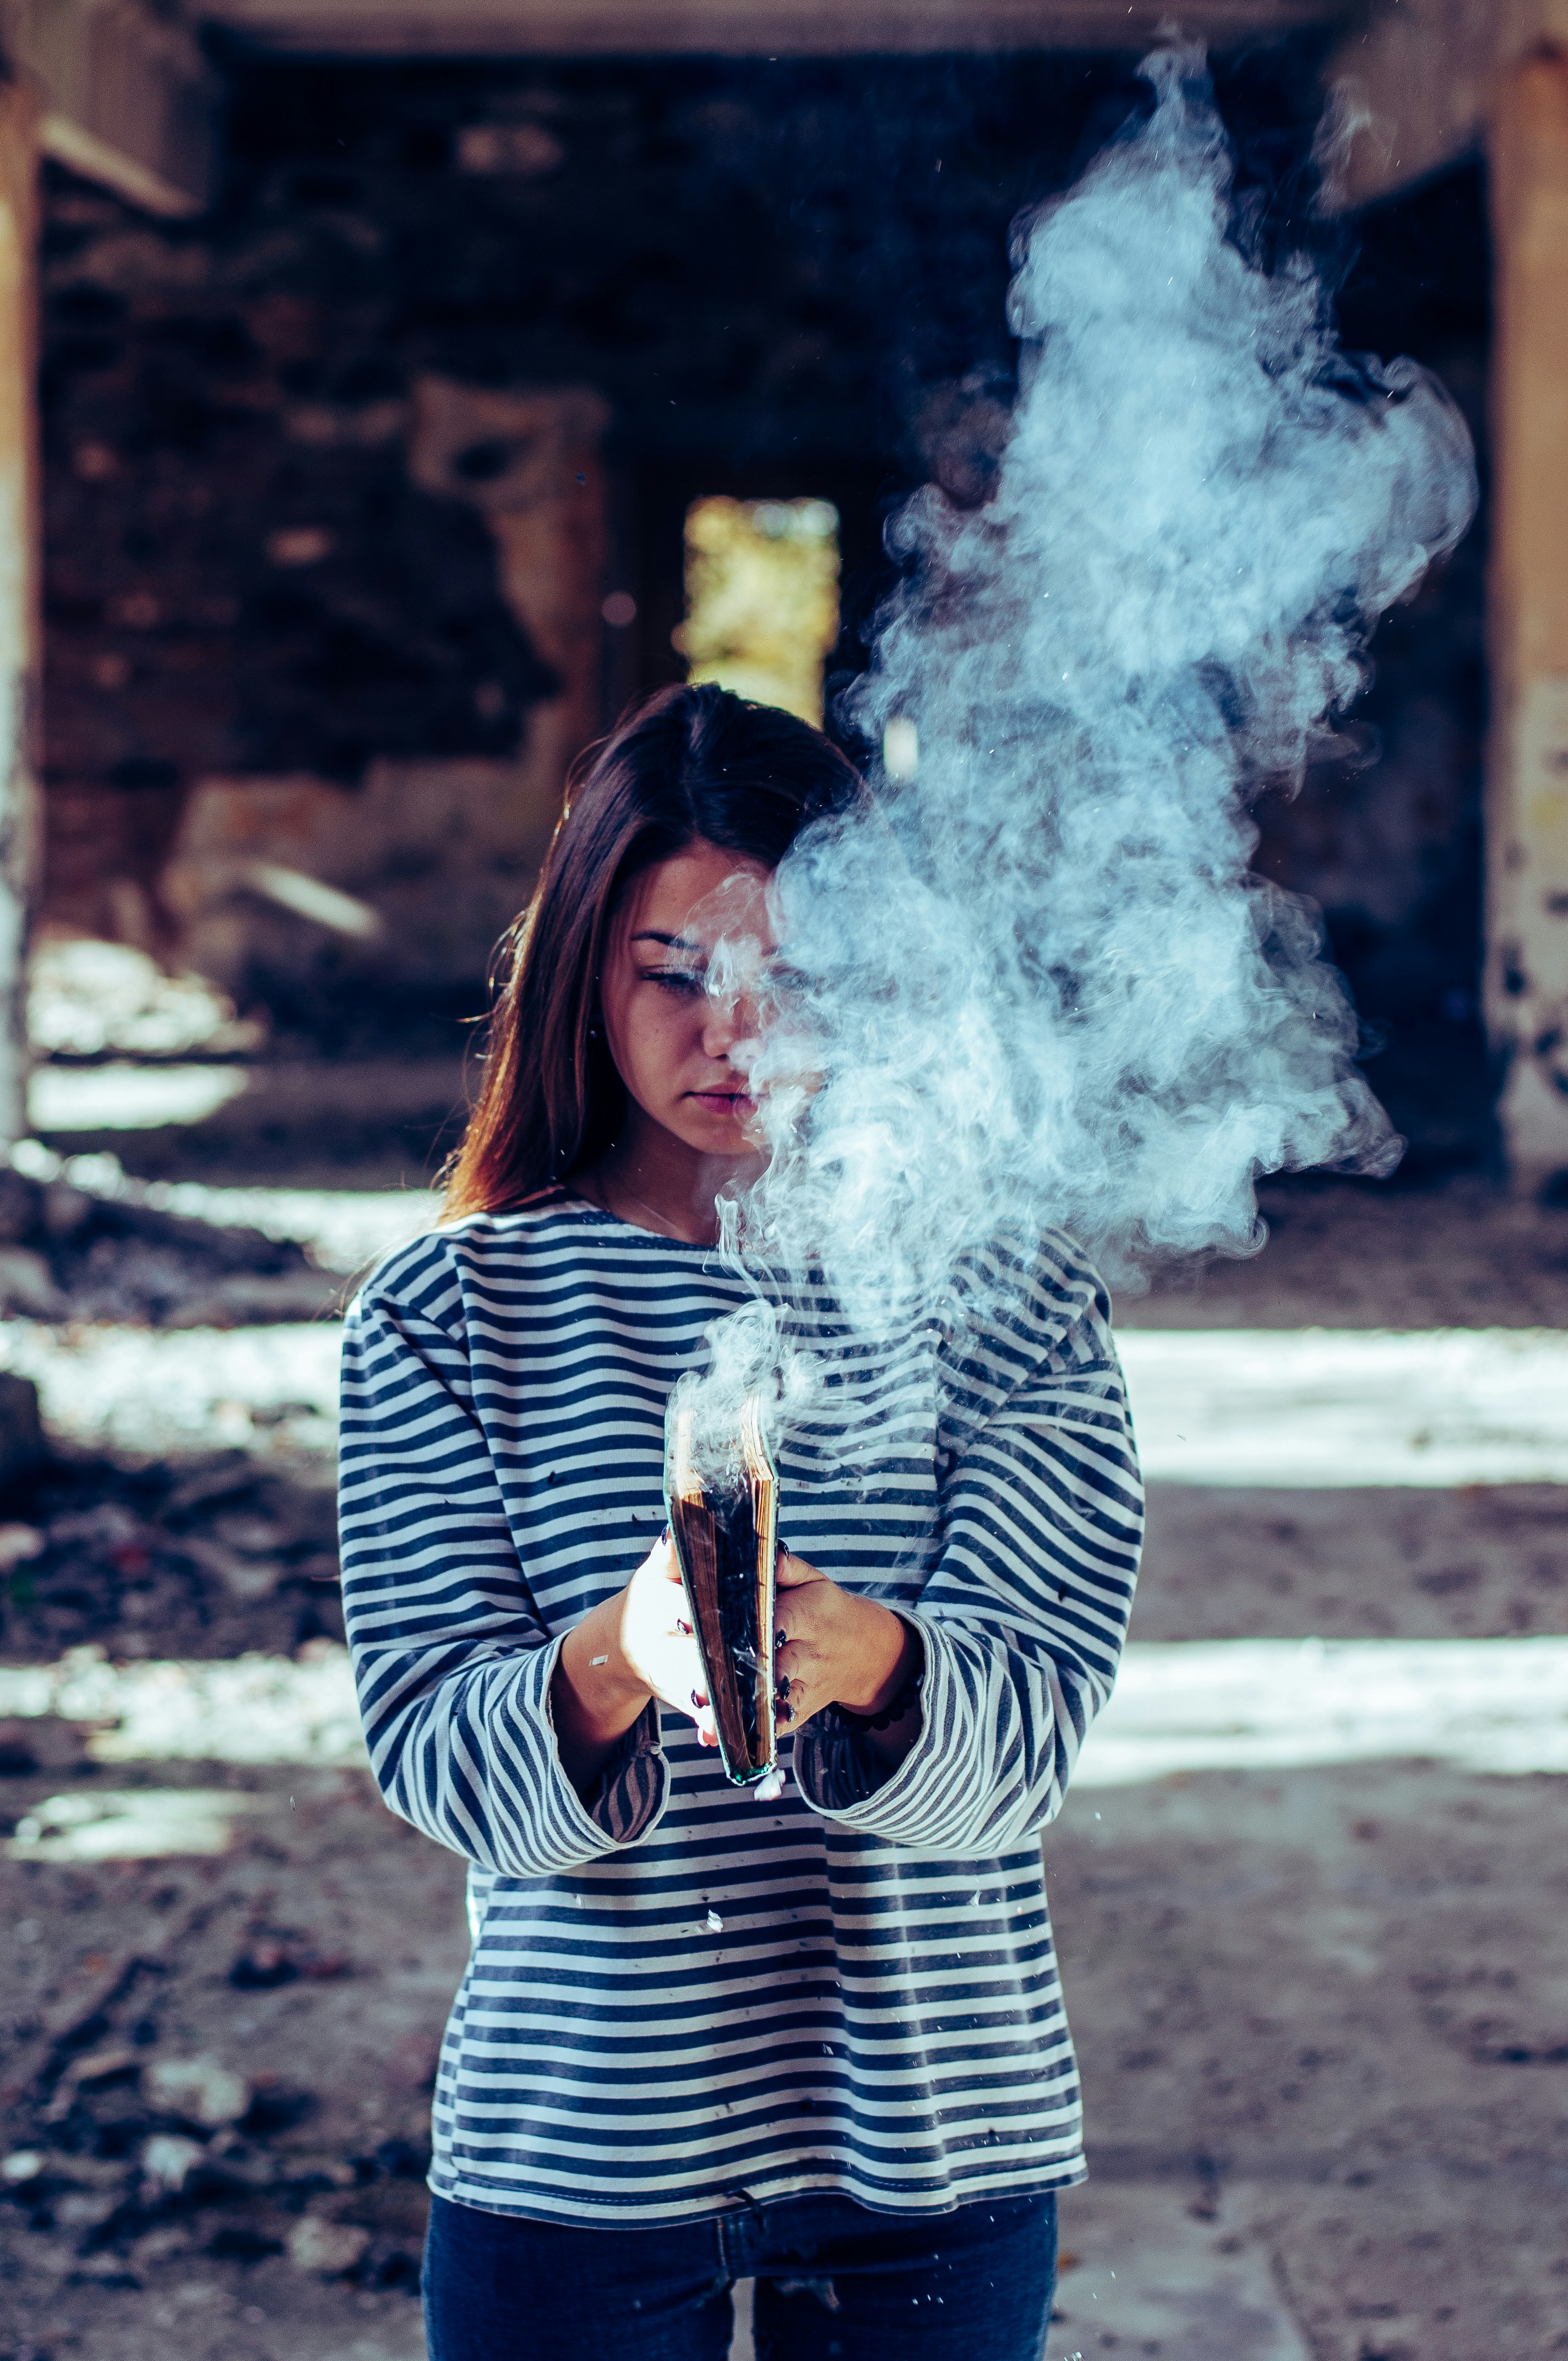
x,y
690,765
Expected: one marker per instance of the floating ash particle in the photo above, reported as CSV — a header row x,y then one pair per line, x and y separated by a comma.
x,y
715,1923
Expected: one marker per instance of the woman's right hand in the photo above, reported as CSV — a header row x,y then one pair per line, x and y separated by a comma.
x,y
657,1641
629,1648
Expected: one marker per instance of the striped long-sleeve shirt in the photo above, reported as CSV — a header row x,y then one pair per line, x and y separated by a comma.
x,y
679,1999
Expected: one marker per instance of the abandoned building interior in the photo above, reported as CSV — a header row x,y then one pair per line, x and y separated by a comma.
x,y
389,395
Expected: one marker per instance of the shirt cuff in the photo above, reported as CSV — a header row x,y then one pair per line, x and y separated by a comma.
x,y
632,1789
843,1778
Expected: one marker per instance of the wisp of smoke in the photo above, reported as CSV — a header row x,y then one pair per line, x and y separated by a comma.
x,y
1034,984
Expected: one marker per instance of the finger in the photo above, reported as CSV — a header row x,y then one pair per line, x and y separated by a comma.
x,y
662,1559
789,1703
790,1572
794,1662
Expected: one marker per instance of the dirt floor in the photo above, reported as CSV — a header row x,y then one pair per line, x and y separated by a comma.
x,y
1463,1252
1322,2014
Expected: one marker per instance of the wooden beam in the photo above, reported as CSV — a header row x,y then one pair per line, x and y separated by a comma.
x,y
1420,75
127,99
66,142
744,28
19,548
1527,977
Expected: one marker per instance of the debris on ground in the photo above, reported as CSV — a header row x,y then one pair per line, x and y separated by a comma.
x,y
213,1557
67,1253
199,2090
316,2244
226,2070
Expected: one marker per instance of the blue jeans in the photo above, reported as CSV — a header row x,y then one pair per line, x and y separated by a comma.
x,y
834,2283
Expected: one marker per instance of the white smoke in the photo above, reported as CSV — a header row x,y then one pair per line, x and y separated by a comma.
x,y
1034,984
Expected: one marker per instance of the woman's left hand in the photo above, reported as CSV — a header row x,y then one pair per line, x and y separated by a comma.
x,y
838,1649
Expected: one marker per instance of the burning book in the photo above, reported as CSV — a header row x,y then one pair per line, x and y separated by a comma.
x,y
725,1534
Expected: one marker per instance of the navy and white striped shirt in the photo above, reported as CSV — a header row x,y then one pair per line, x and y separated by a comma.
x,y
680,2000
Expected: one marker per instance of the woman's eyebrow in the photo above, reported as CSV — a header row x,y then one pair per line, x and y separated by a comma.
x,y
675,942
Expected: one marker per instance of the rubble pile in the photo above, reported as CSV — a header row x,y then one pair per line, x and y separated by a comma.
x,y
209,1557
68,1253
135,2155
148,2164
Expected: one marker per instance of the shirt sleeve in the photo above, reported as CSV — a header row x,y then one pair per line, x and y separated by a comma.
x,y
452,1661
1022,1615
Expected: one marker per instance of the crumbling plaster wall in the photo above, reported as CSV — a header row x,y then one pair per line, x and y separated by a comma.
x,y
277,630
329,515
439,852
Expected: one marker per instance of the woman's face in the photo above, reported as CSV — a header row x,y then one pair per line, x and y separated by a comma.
x,y
671,1041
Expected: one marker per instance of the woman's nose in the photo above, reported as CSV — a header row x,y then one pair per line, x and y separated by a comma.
x,y
721,1027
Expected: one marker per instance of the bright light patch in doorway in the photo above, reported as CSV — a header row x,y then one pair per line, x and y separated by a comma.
x,y
762,598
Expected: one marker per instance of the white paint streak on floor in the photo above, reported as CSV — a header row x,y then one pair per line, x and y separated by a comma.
x,y
1488,1705
1494,1706
252,1708
345,1228
1314,1408
153,1391
137,1824
1308,1409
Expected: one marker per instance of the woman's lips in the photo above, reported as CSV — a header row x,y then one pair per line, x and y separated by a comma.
x,y
735,1102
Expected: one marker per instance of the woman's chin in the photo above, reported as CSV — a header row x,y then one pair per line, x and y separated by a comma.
x,y
722,1139
720,1127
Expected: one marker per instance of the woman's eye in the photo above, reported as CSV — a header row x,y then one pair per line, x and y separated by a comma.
x,y
683,979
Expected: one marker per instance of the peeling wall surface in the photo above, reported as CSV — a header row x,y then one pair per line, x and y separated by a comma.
x,y
339,480
1527,814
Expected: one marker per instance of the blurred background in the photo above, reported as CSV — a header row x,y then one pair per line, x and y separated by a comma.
x,y
387,394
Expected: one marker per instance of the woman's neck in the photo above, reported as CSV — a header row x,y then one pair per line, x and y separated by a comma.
x,y
653,1180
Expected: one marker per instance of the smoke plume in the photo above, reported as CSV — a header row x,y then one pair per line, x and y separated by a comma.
x,y
1032,981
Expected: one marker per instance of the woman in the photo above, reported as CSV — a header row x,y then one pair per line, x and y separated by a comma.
x,y
815,2041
